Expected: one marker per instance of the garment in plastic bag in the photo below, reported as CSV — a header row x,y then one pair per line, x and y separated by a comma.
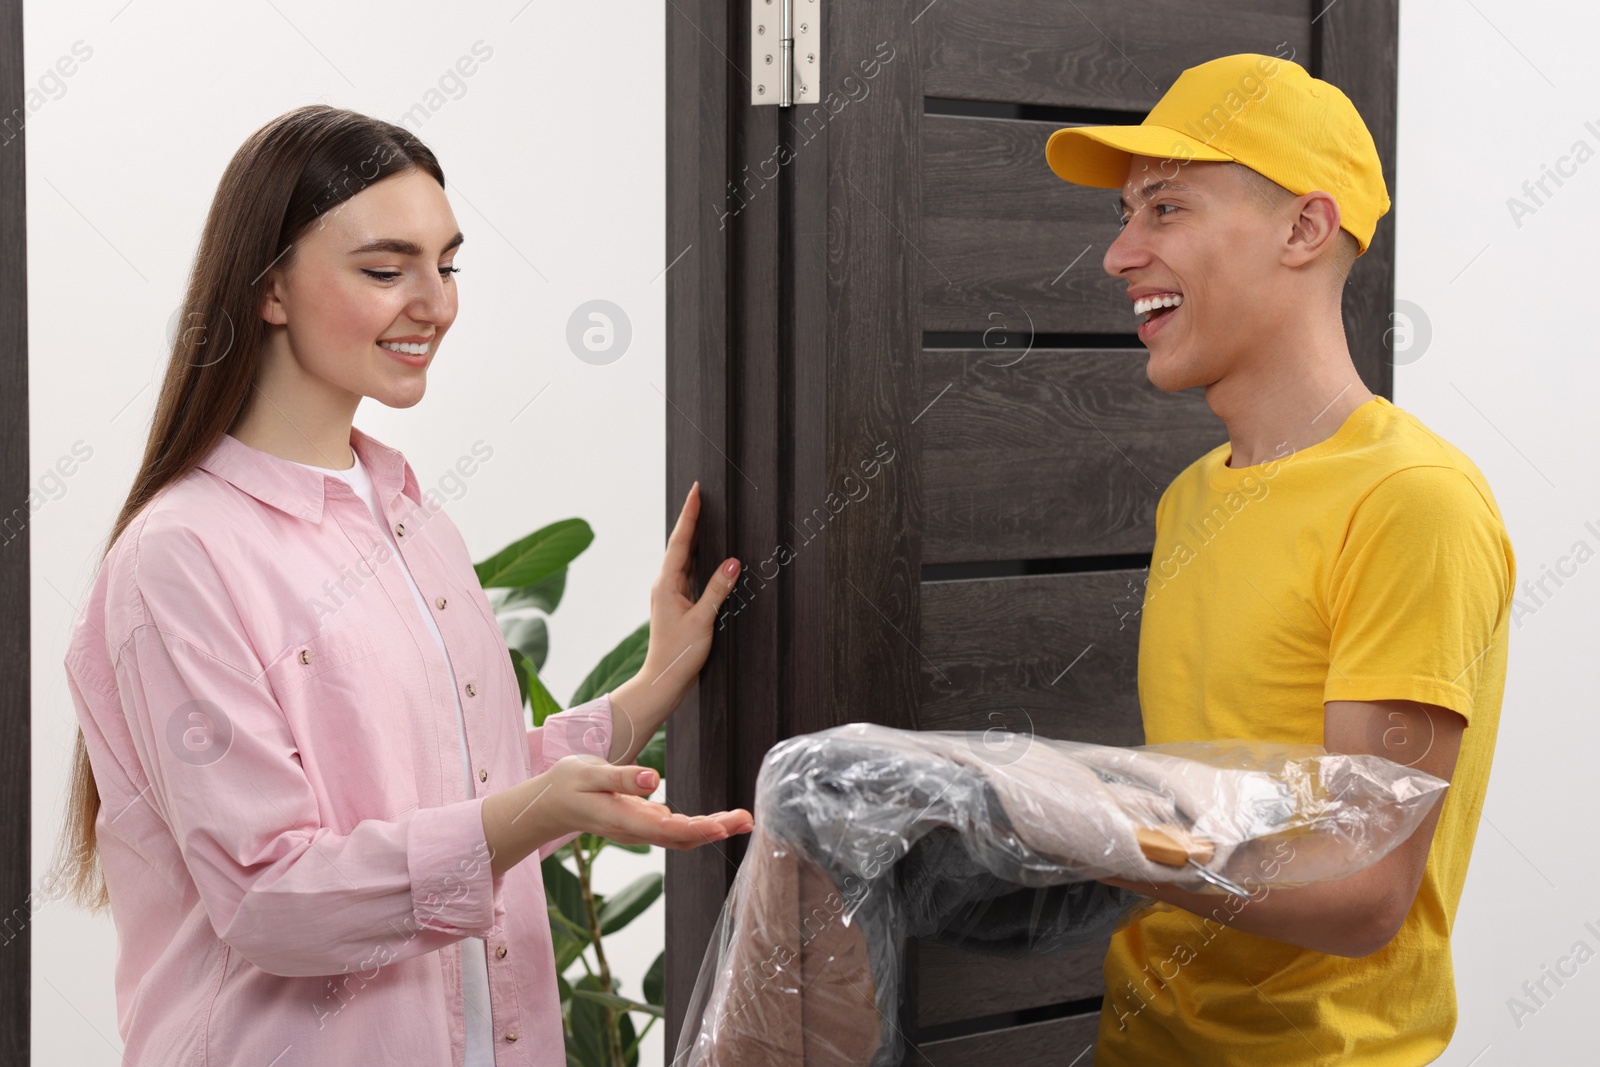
x,y
866,835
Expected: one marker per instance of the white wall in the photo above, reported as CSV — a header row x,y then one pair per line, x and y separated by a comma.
x,y
1490,92
555,157
553,149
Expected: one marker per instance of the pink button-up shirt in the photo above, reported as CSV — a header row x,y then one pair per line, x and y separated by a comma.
x,y
291,854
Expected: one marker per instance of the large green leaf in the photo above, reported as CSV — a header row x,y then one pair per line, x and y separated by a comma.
x,y
544,595
523,670
630,1040
533,691
616,667
544,705
614,1001
537,556
589,1043
655,980
527,634
560,924
654,753
564,893
565,941
626,904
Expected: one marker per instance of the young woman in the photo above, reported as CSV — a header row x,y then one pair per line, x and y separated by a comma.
x,y
304,782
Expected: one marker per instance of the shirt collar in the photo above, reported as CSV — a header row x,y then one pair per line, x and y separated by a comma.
x,y
297,490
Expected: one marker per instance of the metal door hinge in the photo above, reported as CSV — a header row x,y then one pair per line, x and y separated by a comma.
x,y
785,51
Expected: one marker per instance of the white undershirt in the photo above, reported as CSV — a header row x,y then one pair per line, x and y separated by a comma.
x,y
474,954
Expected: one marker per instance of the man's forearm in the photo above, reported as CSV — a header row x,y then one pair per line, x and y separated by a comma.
x,y
1353,916
1358,915
1343,918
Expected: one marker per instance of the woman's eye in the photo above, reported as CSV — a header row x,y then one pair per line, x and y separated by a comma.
x,y
391,275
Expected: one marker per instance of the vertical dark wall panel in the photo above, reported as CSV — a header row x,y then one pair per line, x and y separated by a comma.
x,y
803,677
753,637
874,339
792,346
16,780
1357,48
745,381
699,748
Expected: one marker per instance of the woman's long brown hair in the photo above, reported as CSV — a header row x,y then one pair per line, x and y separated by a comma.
x,y
282,181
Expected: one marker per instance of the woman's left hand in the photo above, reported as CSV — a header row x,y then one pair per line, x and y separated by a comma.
x,y
680,637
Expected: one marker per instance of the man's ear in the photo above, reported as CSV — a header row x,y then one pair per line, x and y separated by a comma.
x,y
1315,229
272,310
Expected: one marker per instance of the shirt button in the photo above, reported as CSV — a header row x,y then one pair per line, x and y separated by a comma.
x,y
511,1035
400,529
439,603
472,690
483,775
500,953
305,655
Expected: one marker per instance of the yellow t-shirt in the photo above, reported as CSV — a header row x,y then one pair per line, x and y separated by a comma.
x,y
1372,565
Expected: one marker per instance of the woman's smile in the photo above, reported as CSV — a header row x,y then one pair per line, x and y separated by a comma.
x,y
411,353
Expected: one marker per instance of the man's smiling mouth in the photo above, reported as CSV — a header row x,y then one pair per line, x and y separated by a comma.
x,y
1150,308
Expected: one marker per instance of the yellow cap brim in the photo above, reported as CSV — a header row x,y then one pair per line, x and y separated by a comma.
x,y
1098,155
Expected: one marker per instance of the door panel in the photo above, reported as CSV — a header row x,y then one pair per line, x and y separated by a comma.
x,y
1054,655
1060,1041
1049,453
1094,53
956,986
1008,244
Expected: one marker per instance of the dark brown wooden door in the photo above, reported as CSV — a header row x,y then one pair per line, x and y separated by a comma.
x,y
919,413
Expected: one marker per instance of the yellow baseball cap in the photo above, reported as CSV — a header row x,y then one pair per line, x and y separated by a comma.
x,y
1261,111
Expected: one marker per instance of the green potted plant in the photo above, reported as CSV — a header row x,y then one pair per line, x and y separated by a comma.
x,y
525,582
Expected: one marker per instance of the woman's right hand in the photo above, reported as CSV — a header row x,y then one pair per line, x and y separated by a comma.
x,y
584,793
587,794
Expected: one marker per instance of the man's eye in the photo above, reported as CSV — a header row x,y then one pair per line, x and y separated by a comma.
x,y
1160,206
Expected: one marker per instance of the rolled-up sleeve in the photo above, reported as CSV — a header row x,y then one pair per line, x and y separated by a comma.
x,y
222,770
583,730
